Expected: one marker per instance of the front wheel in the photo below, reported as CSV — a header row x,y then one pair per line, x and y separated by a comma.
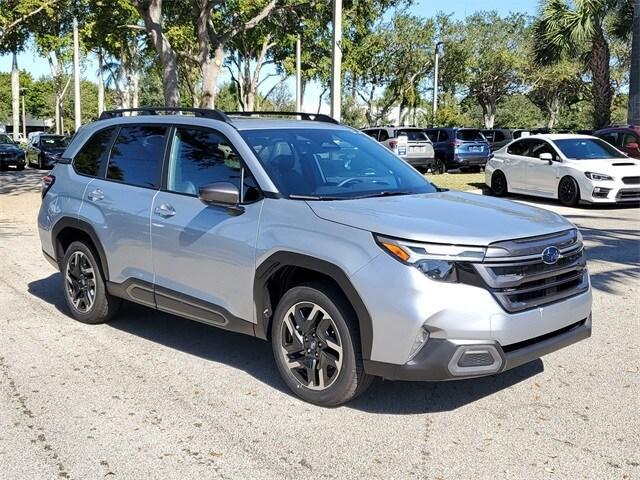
x,y
568,192
316,345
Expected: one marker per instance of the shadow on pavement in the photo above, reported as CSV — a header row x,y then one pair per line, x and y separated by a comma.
x,y
15,182
254,356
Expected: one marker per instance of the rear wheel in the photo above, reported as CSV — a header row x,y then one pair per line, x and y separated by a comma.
x,y
568,192
84,286
439,167
499,186
316,345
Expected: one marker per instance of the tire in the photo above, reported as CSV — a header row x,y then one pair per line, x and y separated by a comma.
x,y
20,167
82,275
499,186
331,332
439,167
3,168
569,192
475,169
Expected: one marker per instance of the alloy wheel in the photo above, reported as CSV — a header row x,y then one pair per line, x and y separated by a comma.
x,y
311,346
80,282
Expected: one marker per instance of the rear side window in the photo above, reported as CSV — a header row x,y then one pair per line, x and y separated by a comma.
x,y
432,134
95,151
372,133
518,148
498,136
470,136
383,136
136,155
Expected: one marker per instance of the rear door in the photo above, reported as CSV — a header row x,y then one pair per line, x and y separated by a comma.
x,y
204,255
119,201
515,163
471,143
419,145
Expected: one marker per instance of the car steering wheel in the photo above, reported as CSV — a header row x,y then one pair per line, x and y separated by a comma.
x,y
349,180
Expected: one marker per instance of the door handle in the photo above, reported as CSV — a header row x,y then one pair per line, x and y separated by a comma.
x,y
96,195
165,210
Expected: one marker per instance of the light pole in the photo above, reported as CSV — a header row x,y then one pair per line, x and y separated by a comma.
x,y
336,83
436,55
76,76
23,91
298,75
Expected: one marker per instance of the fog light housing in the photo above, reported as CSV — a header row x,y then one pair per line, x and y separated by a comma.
x,y
600,192
418,343
475,360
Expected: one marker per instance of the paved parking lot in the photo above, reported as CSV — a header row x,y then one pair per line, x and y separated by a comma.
x,y
155,396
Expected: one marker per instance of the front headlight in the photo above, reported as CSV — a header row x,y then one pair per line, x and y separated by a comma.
x,y
597,176
437,261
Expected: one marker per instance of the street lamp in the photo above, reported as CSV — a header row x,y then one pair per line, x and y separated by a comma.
x,y
436,54
23,92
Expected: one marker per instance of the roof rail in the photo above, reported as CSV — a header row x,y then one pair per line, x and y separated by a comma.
x,y
316,117
198,112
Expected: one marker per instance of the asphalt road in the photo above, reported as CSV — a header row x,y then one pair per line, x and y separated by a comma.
x,y
154,396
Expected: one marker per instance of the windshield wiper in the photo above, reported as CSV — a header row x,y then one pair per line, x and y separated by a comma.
x,y
314,197
385,193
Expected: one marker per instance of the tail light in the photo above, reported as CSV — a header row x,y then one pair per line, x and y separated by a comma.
x,y
46,184
393,144
455,144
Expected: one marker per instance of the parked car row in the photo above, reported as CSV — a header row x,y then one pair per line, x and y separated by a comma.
x,y
435,149
42,151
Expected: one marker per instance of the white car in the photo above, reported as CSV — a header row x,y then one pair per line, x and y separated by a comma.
x,y
571,168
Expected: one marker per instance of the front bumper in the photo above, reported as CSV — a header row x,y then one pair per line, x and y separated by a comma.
x,y
12,161
612,191
440,359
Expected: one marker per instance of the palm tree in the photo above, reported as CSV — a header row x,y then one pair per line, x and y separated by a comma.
x,y
581,29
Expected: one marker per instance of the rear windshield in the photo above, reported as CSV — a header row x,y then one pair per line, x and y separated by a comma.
x,y
54,142
469,135
332,164
587,148
413,135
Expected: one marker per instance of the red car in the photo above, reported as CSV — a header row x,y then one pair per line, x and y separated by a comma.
x,y
625,138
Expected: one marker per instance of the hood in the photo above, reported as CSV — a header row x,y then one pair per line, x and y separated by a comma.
x,y
7,147
54,150
620,167
443,217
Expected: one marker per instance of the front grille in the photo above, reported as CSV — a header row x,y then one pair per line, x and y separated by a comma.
x,y
628,194
631,180
521,282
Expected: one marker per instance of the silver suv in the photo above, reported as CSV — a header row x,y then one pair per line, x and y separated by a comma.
x,y
409,143
311,235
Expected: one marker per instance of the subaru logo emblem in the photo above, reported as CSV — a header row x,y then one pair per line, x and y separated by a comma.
x,y
550,255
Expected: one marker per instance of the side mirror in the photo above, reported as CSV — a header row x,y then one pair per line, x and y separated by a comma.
x,y
220,193
546,156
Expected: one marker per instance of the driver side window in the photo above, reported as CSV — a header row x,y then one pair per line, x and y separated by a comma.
x,y
539,147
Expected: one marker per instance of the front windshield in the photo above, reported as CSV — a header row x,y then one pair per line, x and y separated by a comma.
x,y
332,164
4,139
54,142
587,148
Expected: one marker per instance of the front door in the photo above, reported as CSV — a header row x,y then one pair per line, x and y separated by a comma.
x,y
204,255
540,177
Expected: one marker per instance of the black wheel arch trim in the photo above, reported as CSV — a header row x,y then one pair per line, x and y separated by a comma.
x,y
280,259
85,227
